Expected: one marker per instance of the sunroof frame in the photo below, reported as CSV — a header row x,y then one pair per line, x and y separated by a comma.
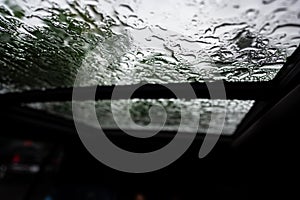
x,y
266,94
285,81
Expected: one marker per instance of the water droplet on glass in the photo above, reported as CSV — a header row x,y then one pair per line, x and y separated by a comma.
x,y
252,13
268,1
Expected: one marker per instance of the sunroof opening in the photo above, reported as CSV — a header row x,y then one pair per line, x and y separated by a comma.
x,y
209,113
44,43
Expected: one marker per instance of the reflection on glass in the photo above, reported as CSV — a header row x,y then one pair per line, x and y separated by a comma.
x,y
210,112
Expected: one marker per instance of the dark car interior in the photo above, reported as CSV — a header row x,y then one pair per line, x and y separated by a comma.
x,y
43,158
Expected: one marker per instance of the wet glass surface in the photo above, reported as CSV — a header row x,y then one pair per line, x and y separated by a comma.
x,y
210,112
45,42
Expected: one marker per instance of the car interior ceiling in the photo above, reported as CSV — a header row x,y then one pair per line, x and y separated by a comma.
x,y
261,160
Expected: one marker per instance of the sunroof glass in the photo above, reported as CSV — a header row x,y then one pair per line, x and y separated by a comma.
x,y
209,113
44,43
